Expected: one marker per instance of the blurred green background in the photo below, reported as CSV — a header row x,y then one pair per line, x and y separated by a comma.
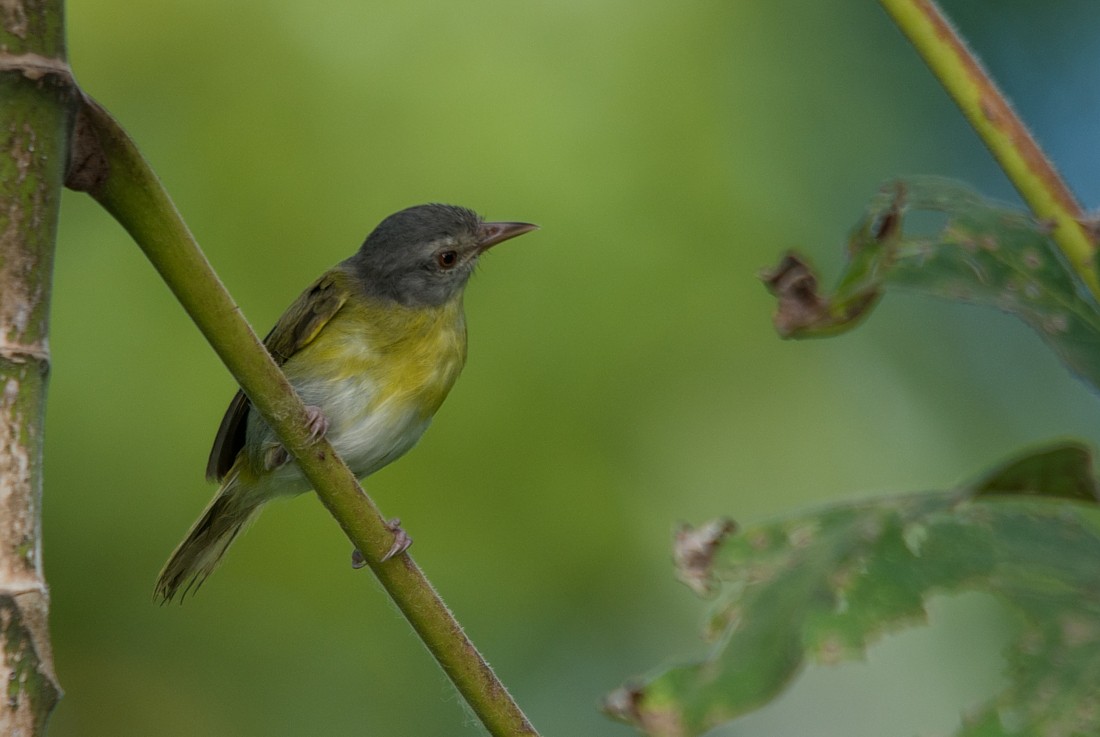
x,y
623,373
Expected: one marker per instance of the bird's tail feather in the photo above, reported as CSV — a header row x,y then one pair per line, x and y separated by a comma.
x,y
231,510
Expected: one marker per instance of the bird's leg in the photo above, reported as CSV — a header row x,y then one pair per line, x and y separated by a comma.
x,y
276,455
401,543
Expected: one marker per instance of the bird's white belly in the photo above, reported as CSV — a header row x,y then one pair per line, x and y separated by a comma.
x,y
366,435
380,437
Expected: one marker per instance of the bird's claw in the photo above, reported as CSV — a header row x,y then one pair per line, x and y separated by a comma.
x,y
401,539
358,560
401,543
316,421
276,455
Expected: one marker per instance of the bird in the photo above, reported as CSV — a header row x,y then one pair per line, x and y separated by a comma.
x,y
372,347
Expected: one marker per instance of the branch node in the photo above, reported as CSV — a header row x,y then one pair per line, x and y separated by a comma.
x,y
22,353
35,66
88,166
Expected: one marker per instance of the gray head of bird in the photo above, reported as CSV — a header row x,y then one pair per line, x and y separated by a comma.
x,y
424,255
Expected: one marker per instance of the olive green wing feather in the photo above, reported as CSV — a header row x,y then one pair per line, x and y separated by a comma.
x,y
298,326
230,438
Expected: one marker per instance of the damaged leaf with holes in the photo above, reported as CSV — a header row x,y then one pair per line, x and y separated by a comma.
x,y
824,586
979,251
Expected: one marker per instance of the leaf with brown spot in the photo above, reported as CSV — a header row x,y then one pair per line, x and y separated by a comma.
x,y
802,311
976,250
823,586
693,552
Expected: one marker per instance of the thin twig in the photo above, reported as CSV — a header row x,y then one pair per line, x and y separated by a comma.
x,y
1030,171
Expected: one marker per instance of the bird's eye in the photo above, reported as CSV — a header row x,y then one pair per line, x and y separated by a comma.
x,y
447,259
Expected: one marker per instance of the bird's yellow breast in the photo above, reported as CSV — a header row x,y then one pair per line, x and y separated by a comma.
x,y
407,358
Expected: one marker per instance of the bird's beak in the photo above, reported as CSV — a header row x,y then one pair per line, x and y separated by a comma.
x,y
490,234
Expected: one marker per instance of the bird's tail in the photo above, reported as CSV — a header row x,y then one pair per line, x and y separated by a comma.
x,y
231,510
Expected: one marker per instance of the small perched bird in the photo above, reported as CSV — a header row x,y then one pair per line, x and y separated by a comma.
x,y
372,348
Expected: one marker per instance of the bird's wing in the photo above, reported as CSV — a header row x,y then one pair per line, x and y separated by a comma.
x,y
298,326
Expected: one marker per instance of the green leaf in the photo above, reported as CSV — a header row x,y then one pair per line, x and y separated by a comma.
x,y
1063,471
827,584
939,237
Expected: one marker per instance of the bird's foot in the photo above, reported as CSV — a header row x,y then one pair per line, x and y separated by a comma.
x,y
401,543
276,455
358,560
401,539
317,422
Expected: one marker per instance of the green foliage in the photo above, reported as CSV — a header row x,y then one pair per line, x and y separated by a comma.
x,y
824,585
620,377
978,251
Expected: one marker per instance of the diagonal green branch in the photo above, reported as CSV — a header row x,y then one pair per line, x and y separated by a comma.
x,y
983,104
112,170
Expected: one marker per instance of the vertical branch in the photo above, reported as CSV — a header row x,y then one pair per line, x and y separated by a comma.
x,y
35,97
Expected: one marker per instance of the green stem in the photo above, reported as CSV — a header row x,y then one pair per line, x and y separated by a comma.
x,y
1036,179
126,186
